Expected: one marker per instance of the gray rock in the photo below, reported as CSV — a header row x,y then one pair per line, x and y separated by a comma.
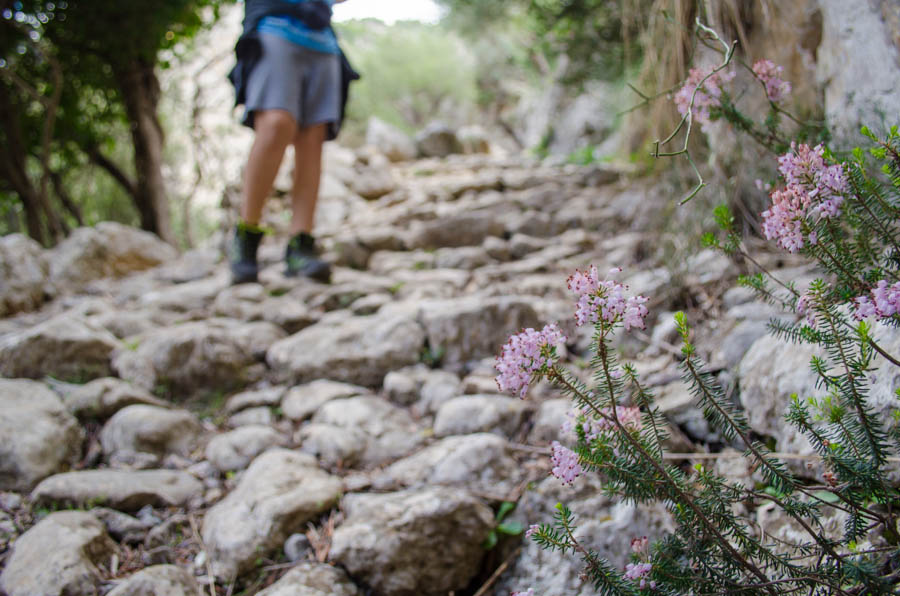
x,y
473,327
207,355
235,450
357,350
108,249
150,429
301,402
439,387
277,495
551,415
125,490
738,341
58,556
437,140
157,580
469,414
66,347
23,274
480,462
313,579
121,526
260,416
388,540
269,397
373,183
194,296
403,386
296,547
101,398
390,431
464,229
38,437
389,140
333,445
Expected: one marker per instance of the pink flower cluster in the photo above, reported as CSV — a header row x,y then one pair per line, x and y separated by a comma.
x,y
708,95
605,300
565,463
524,356
770,74
639,572
532,529
804,304
814,191
883,302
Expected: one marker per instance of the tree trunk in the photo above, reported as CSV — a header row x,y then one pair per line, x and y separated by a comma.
x,y
140,93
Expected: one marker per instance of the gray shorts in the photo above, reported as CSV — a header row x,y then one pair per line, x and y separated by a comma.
x,y
301,81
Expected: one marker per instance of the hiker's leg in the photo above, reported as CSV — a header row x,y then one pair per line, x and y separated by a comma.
x,y
275,129
308,143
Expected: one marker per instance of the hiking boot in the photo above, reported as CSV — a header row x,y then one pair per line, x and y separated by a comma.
x,y
301,259
244,268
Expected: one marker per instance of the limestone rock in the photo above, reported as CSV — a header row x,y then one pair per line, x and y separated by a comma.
x,y
465,229
268,397
437,140
312,579
235,450
65,347
388,540
38,437
108,249
58,557
124,490
479,462
390,431
157,580
101,398
277,495
150,429
373,183
472,327
480,413
358,350
260,415
302,401
203,355
23,274
551,415
389,140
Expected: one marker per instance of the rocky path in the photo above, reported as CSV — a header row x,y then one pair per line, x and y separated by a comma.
x,y
164,433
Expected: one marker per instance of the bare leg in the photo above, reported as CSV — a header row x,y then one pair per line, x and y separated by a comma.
x,y
275,130
307,172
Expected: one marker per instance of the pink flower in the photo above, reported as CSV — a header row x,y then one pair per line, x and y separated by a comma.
x,y
883,301
605,300
639,572
804,305
770,74
783,221
531,530
708,94
565,463
525,356
639,544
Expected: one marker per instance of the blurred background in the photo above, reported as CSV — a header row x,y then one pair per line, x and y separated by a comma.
x,y
127,115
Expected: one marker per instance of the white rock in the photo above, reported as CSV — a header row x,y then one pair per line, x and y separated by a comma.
x,y
277,495
388,540
102,398
125,490
312,579
150,429
469,414
389,140
157,580
58,556
235,450
38,436
23,274
302,401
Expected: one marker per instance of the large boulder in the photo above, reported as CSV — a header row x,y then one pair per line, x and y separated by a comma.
x,y
426,542
108,249
38,437
152,430
66,347
158,580
58,557
125,490
392,142
357,350
199,356
278,494
23,274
